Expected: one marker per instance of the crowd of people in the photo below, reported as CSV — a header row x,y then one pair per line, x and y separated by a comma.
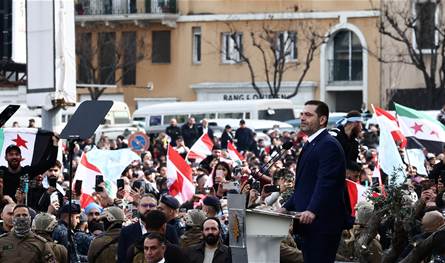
x,y
145,223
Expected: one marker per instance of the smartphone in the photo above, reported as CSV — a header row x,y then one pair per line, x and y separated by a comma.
x,y
231,186
120,184
271,188
54,198
78,187
99,180
137,185
52,181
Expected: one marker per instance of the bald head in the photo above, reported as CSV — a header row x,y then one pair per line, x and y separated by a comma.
x,y
7,214
432,220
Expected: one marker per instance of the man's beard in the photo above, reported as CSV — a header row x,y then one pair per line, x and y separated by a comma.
x,y
14,164
211,239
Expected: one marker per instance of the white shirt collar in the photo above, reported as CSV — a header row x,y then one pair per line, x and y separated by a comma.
x,y
143,229
313,136
162,260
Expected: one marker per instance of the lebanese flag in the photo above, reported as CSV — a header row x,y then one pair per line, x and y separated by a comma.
x,y
33,143
234,154
179,176
201,148
427,130
391,123
109,163
357,193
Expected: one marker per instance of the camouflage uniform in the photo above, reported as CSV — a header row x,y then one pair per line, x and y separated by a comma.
x,y
289,253
192,236
31,248
43,225
104,248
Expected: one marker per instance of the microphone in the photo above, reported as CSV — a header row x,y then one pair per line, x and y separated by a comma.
x,y
266,167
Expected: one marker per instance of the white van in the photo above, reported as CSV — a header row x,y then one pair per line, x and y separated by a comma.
x,y
267,109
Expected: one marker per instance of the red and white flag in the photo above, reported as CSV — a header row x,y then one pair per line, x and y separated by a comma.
x,y
234,154
201,148
179,176
109,163
357,193
386,119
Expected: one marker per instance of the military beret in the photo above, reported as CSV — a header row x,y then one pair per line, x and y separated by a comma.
x,y
75,209
212,201
170,201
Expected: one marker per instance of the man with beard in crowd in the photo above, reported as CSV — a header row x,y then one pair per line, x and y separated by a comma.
x,y
133,232
170,206
15,245
60,233
347,135
173,131
155,222
190,132
211,249
104,248
12,173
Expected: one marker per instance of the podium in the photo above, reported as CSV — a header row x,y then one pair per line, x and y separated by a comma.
x,y
264,232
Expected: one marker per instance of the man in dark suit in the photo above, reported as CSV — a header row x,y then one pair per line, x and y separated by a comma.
x,y
319,187
132,233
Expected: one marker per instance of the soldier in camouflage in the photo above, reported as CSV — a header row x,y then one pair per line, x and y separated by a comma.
x,y
103,249
22,245
43,225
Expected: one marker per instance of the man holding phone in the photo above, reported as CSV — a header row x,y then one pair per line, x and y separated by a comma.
x,y
52,196
14,171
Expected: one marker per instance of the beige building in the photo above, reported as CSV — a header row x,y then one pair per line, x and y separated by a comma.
x,y
184,50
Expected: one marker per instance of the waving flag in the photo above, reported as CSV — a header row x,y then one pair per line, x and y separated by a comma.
x,y
201,148
390,122
428,131
357,193
179,176
234,154
33,143
109,163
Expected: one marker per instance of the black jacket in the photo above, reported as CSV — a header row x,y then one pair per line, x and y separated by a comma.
x,y
132,233
174,132
189,134
222,254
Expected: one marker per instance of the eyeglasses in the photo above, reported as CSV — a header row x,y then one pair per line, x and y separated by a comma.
x,y
94,214
150,205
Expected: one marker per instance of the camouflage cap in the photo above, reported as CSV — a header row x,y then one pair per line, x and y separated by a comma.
x,y
44,222
284,173
113,214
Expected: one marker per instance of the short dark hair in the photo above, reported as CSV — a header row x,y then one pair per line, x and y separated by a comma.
x,y
214,219
154,219
20,206
157,236
13,147
57,163
321,110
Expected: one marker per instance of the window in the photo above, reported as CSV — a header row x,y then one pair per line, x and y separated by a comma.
x,y
232,47
347,58
230,115
155,120
425,25
276,114
107,57
287,45
160,52
179,118
6,27
196,45
129,58
85,58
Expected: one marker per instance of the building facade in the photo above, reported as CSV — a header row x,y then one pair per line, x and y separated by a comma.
x,y
151,51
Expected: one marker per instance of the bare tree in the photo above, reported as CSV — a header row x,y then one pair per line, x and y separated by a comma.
x,y
417,33
109,59
275,52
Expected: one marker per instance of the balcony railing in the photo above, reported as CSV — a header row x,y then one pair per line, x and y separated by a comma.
x,y
124,7
345,71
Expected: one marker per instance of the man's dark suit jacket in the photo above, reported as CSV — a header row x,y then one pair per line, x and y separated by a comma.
x,y
320,186
132,233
